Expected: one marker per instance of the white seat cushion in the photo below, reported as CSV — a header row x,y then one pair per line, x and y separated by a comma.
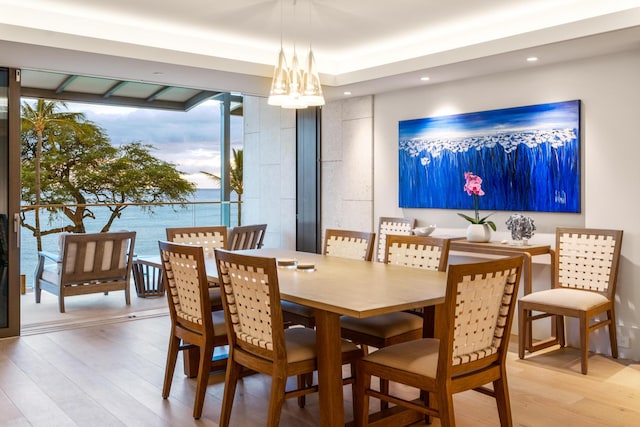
x,y
575,299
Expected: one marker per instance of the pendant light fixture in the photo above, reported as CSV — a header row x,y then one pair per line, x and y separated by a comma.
x,y
295,87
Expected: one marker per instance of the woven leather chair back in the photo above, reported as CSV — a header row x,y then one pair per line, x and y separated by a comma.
x,y
588,259
430,253
252,303
186,283
349,244
209,238
391,225
476,321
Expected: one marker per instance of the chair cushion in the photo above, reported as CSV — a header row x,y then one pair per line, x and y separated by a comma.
x,y
418,356
575,299
301,344
384,325
50,273
299,309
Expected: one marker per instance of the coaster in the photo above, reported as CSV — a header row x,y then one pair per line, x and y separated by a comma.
x,y
306,266
286,262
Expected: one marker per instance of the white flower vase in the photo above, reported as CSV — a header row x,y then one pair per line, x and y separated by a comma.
x,y
478,233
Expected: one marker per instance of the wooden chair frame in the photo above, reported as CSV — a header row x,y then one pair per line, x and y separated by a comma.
x,y
449,363
586,265
298,314
247,237
88,263
193,325
258,340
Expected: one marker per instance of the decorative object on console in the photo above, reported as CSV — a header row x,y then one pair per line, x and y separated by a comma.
x,y
424,231
522,228
478,230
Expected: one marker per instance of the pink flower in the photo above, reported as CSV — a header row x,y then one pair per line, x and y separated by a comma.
x,y
473,184
473,187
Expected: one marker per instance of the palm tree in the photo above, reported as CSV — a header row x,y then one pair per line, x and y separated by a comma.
x,y
235,178
41,120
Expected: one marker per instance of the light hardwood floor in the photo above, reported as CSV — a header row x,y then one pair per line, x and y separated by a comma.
x,y
111,375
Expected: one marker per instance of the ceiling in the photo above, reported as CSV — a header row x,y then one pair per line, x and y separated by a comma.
x,y
202,47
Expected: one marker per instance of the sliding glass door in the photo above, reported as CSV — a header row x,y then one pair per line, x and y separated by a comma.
x,y
9,196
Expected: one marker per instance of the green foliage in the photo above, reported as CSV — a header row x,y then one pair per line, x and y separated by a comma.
x,y
78,165
235,178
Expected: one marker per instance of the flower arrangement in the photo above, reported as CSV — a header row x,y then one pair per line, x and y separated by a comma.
x,y
473,187
522,227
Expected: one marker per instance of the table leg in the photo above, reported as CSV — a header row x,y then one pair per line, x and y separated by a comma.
x,y
329,368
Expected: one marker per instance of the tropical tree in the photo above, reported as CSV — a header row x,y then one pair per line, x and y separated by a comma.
x,y
235,178
80,167
41,122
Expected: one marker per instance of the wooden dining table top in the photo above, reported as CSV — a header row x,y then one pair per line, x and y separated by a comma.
x,y
351,287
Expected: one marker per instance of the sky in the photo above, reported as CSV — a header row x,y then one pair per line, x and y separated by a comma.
x,y
558,115
190,140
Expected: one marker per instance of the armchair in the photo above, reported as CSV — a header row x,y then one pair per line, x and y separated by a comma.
x,y
87,263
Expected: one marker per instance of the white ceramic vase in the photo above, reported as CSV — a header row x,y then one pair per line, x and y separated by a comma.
x,y
478,233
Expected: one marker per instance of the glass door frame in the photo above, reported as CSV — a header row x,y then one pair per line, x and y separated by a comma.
x,y
11,191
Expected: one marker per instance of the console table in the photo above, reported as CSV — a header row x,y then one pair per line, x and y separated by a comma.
x,y
529,251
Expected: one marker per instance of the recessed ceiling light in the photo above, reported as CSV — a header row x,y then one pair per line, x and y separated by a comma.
x,y
425,78
347,93
532,59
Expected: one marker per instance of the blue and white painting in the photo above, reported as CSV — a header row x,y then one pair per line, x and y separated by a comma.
x,y
528,158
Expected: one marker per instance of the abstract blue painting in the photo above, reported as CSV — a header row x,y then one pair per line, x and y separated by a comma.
x,y
528,158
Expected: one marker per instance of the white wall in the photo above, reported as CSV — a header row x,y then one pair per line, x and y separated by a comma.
x,y
270,171
347,165
609,88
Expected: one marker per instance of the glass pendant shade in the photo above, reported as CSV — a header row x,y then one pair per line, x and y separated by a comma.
x,y
294,99
280,84
295,87
311,88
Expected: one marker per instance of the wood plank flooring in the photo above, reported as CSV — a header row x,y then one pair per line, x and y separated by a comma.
x,y
111,375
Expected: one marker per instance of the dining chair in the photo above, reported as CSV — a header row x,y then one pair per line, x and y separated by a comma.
x,y
258,340
468,350
383,330
340,243
392,225
583,286
209,238
193,324
86,263
247,237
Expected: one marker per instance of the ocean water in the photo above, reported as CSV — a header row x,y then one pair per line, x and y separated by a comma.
x,y
149,227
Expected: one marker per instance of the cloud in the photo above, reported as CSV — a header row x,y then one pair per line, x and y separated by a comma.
x,y
190,140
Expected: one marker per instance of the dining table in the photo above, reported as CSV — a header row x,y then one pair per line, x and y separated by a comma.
x,y
334,287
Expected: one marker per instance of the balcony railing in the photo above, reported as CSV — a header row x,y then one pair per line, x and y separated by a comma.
x,y
150,227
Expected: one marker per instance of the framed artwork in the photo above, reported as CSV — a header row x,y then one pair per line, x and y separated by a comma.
x,y
528,158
